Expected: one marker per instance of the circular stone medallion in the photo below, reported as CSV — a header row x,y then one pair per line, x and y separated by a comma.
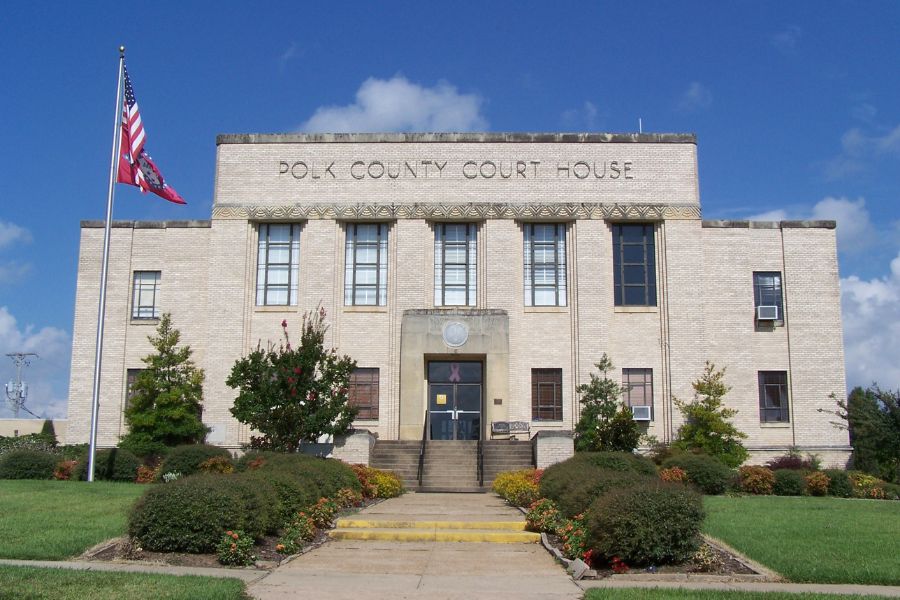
x,y
455,334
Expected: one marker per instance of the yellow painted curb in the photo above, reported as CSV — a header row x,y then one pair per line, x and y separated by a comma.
x,y
436,535
492,525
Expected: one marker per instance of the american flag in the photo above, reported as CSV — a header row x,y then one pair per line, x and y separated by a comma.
x,y
132,131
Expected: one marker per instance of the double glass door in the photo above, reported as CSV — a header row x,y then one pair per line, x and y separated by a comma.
x,y
454,400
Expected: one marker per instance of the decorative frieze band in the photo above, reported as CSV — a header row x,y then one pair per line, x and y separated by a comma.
x,y
463,211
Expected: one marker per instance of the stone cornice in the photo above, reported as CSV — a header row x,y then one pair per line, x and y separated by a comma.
x,y
464,137
477,211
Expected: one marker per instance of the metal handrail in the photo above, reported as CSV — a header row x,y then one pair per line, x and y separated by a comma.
x,y
480,462
421,472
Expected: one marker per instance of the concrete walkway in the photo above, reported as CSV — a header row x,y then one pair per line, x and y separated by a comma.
x,y
355,569
841,589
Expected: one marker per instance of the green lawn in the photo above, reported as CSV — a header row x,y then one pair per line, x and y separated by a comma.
x,y
662,594
52,520
29,583
820,540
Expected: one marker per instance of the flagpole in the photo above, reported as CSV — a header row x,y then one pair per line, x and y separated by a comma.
x,y
101,309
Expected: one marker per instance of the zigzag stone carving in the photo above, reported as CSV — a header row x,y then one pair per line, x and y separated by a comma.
x,y
472,211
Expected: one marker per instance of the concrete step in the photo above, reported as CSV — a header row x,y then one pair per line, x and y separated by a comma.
x,y
436,535
404,524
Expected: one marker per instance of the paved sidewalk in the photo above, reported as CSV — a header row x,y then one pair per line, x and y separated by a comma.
x,y
247,575
842,589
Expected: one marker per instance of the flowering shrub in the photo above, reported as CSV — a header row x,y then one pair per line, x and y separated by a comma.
x,y
519,488
376,483
217,464
543,516
705,560
573,535
64,468
300,530
618,565
322,512
673,474
147,474
346,498
867,486
364,474
235,548
756,480
817,483
708,473
171,476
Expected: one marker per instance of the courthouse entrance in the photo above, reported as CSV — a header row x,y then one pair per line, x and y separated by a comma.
x,y
455,400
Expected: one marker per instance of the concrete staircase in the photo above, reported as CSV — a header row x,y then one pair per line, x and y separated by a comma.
x,y
497,532
451,466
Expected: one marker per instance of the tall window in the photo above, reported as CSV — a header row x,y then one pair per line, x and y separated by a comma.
x,y
454,264
767,291
773,397
545,265
634,265
278,264
145,297
131,376
363,393
365,264
638,384
546,394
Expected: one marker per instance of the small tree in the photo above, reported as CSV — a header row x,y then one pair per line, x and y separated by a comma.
x,y
164,409
605,423
294,395
706,427
49,433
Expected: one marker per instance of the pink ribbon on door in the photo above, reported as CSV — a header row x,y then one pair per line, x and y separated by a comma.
x,y
454,373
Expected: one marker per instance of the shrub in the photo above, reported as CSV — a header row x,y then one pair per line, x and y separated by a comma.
x,y
794,460
652,522
866,486
217,464
300,530
235,549
186,459
891,491
189,515
327,475
147,474
291,494
346,498
673,474
114,464
144,446
817,483
64,469
789,482
32,441
617,461
605,422
387,484
574,483
756,480
839,484
543,516
27,464
706,472
573,534
519,488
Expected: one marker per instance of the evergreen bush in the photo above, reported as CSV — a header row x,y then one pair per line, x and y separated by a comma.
x,y
839,484
574,483
27,464
756,480
111,464
186,459
649,523
708,473
789,482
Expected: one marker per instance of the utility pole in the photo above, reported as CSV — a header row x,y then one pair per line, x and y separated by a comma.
x,y
17,391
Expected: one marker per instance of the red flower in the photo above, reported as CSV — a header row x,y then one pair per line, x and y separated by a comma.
x,y
298,370
284,323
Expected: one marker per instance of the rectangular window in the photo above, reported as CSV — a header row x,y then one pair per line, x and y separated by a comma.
x,y
773,397
546,394
634,265
545,265
363,393
145,297
638,384
131,376
454,264
767,292
365,265
278,264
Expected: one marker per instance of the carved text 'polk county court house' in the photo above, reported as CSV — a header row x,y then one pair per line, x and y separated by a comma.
x,y
477,278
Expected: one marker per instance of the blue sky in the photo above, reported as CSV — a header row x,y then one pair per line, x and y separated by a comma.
x,y
795,106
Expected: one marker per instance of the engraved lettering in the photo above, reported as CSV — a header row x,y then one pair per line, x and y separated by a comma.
x,y
379,168
520,169
584,173
509,173
493,170
560,169
425,164
534,164
600,174
614,170
358,163
393,175
283,168
294,172
626,168
329,171
410,169
440,167
474,174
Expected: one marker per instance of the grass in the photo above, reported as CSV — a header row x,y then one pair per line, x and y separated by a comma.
x,y
663,594
53,520
818,540
30,583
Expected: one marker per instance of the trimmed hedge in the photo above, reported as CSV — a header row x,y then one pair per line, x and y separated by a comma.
x,y
326,474
186,459
189,515
574,483
708,473
27,464
652,522
839,483
789,482
113,464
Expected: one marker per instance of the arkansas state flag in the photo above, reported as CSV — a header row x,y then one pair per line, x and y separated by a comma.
x,y
135,165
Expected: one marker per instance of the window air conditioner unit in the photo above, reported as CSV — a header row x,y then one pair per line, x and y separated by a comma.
x,y
640,413
766,313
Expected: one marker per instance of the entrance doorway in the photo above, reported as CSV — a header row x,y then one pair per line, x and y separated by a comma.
x,y
454,400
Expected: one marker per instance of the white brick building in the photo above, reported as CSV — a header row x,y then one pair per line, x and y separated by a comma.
x,y
491,272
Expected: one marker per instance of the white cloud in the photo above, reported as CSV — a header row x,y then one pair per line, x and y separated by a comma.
x,y
697,96
786,40
398,104
855,230
11,233
47,376
289,54
584,117
858,148
871,314
13,271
